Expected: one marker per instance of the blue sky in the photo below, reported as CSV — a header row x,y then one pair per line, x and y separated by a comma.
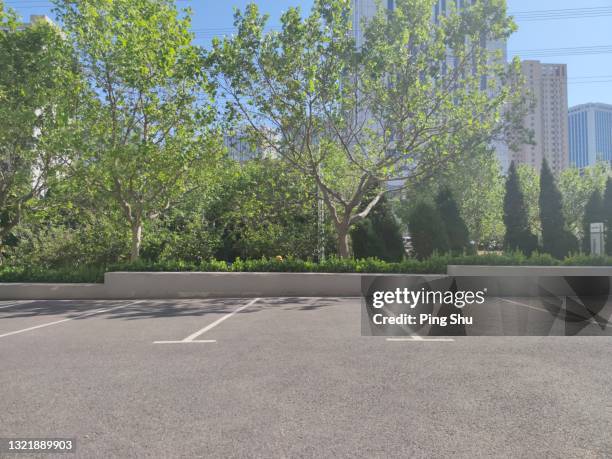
x,y
590,76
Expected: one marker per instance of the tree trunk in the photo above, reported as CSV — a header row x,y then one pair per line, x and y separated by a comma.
x,y
342,232
136,239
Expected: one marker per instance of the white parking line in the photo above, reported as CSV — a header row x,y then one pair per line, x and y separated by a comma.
x,y
518,303
420,339
14,304
192,338
187,342
57,322
590,320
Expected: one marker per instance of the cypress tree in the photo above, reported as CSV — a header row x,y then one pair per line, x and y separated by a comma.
x,y
607,213
379,235
556,240
518,235
427,230
456,229
593,213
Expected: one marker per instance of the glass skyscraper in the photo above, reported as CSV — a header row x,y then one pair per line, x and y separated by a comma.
x,y
590,134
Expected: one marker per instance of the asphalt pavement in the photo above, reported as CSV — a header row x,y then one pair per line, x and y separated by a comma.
x,y
290,377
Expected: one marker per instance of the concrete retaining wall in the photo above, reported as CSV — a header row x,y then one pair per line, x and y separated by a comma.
x,y
134,285
530,271
24,291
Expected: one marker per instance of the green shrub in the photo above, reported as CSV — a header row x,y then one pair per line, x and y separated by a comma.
x,y
378,235
456,229
427,231
516,219
433,265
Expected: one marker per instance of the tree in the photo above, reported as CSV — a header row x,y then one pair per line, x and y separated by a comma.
x,y
477,184
427,231
37,84
577,186
378,235
264,209
607,214
593,213
529,182
389,111
456,230
479,188
518,234
144,123
556,240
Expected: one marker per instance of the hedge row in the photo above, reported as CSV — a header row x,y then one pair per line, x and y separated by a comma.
x,y
434,265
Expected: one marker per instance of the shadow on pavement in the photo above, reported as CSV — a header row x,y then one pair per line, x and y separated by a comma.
x,y
149,309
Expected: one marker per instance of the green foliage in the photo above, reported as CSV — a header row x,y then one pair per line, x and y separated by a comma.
x,y
37,85
530,187
607,214
577,186
456,230
556,240
518,234
335,110
477,185
379,235
427,231
268,209
593,213
434,265
145,114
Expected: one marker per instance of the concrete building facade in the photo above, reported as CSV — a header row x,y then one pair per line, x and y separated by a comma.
x,y
548,119
590,134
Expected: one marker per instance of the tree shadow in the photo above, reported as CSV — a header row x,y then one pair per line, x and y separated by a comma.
x,y
151,309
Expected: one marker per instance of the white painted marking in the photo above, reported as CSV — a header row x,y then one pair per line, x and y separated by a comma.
x,y
420,339
517,303
186,342
192,338
13,305
219,321
591,320
57,322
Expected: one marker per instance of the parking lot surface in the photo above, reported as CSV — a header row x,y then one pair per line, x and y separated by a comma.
x,y
291,377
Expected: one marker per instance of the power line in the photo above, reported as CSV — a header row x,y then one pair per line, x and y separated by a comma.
x,y
522,16
589,82
572,13
572,51
590,77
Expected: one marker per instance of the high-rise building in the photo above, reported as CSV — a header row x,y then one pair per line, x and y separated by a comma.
x,y
590,134
363,10
240,147
547,84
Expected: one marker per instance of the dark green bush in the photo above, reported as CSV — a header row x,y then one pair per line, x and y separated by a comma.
x,y
456,229
518,235
378,235
432,265
428,231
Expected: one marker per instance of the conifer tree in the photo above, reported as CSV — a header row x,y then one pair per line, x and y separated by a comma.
x,y
456,229
378,235
556,240
518,235
427,230
607,213
593,213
